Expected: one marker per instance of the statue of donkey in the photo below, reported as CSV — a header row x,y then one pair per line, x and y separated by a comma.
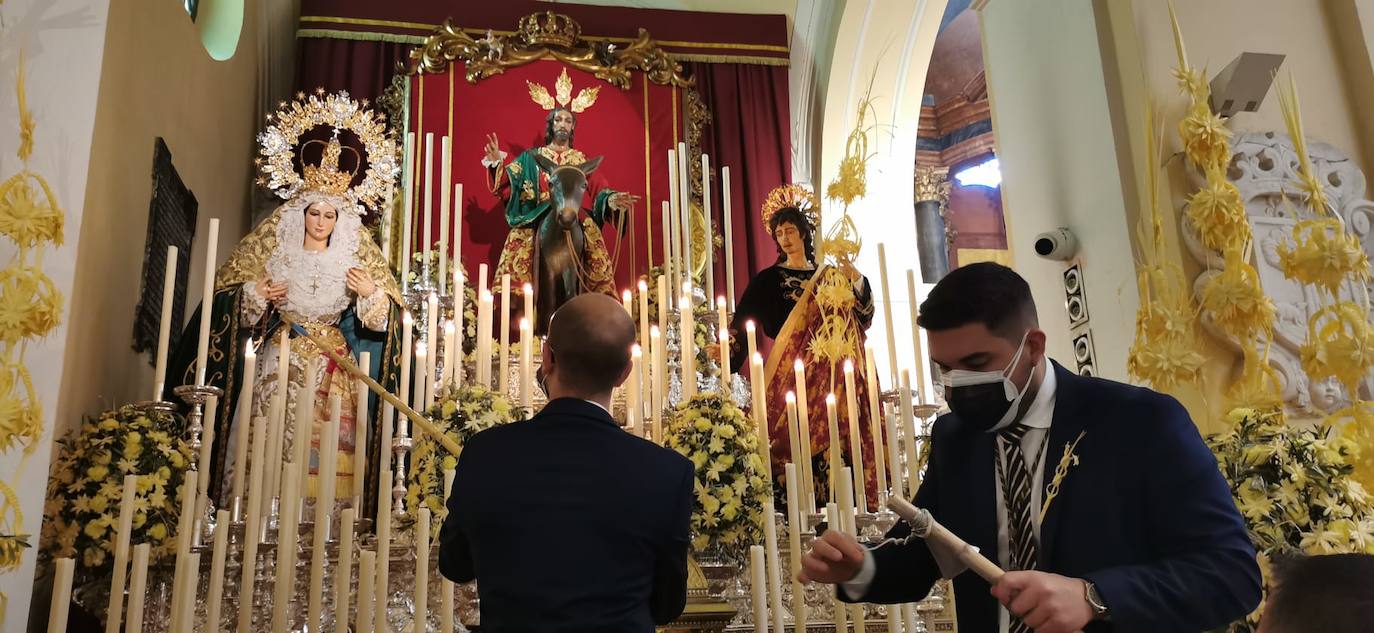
x,y
560,245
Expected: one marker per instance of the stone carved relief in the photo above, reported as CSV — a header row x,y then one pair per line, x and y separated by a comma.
x,y
1264,166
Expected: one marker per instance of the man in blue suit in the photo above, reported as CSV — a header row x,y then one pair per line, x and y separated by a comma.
x,y
1142,535
567,522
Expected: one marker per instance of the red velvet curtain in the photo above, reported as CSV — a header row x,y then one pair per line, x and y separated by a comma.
x,y
362,67
750,131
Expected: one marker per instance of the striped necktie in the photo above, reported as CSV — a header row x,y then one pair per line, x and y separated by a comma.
x,y
1015,478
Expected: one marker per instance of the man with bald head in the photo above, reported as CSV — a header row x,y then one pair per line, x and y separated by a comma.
x,y
567,522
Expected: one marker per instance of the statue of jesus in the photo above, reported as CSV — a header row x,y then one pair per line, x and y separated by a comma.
x,y
525,187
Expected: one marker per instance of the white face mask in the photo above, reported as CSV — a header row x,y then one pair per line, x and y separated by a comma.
x,y
976,398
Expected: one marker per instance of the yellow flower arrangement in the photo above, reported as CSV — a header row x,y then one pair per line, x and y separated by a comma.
x,y
1294,487
460,413
1356,424
731,483
87,482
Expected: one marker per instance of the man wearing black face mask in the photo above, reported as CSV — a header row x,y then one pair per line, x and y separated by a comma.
x,y
1142,534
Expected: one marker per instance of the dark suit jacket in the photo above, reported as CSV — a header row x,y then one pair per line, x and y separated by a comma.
x,y
569,523
1145,515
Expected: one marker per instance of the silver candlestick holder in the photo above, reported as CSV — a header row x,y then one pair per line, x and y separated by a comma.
x,y
195,396
400,446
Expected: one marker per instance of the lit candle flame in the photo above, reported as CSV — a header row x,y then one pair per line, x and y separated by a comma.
x,y
791,398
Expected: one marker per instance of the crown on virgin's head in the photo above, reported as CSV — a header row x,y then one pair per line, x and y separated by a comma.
x,y
327,176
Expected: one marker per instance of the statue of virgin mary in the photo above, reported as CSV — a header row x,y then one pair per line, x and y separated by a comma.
x,y
312,263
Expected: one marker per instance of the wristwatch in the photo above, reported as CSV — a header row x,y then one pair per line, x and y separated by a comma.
x,y
1100,611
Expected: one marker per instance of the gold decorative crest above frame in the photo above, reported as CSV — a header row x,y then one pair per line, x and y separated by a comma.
x,y
545,35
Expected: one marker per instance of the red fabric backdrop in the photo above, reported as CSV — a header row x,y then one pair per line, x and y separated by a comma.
x,y
632,138
351,45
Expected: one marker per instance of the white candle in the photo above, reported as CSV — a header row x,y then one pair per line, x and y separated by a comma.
x,y
303,429
481,280
634,411
503,364
446,375
421,356
794,436
687,329
446,176
674,212
138,587
164,324
660,394
851,527
180,582
457,237
758,584
421,600
64,570
710,232
432,336
429,200
361,420
528,291
191,571
759,406
722,323
207,442
875,422
324,509
343,573
643,312
403,389
856,451
837,609
252,528
668,237
456,376
919,358
383,562
795,525
284,586
484,340
684,206
729,237
752,341
207,302
245,416
526,366
725,363
887,313
770,540
804,416
218,550
367,569
446,585
910,427
835,461
407,205
276,438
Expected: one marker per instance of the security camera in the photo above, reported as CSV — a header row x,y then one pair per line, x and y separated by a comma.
x,y
1058,244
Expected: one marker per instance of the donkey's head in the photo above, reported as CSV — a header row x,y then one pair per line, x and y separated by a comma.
x,y
567,186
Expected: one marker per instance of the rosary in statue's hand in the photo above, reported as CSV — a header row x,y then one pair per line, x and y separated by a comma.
x,y
272,292
360,283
